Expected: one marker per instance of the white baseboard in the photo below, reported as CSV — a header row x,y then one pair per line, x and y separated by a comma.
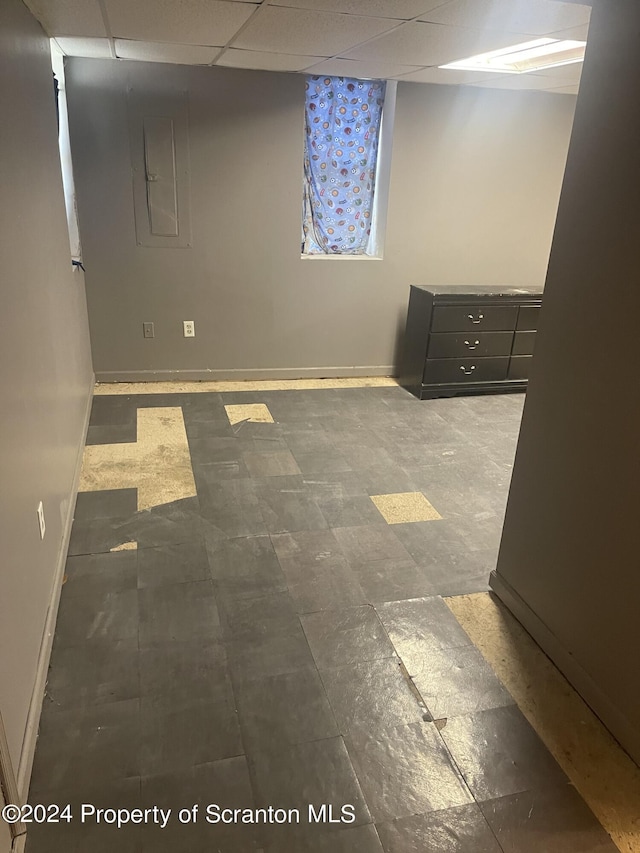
x,y
25,764
242,374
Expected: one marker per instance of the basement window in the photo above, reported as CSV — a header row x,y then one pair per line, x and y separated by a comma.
x,y
348,127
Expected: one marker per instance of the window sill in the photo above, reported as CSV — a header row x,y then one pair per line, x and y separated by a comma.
x,y
341,257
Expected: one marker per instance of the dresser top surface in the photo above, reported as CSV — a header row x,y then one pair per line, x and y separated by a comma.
x,y
479,290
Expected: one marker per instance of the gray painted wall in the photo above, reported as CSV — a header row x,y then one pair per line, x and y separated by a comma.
x,y
475,180
45,365
569,561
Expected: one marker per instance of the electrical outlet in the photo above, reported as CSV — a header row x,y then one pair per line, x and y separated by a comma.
x,y
43,526
147,330
189,328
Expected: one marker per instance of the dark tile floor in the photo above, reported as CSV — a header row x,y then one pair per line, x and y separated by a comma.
x,y
273,642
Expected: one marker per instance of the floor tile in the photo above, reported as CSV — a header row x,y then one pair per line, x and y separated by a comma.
x,y
178,732
75,837
274,655
183,611
170,564
316,839
107,616
245,566
198,428
418,627
370,543
76,748
349,635
383,478
96,575
371,697
430,543
462,829
405,771
216,458
284,709
91,673
392,580
168,524
196,668
232,507
315,772
363,450
286,505
203,838
279,463
314,440
96,536
112,434
458,681
327,585
405,507
225,783
114,503
105,412
472,579
317,573
257,617
499,753
326,461
306,548
224,664
345,510
555,820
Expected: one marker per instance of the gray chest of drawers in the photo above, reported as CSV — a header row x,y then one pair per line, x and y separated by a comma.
x,y
469,340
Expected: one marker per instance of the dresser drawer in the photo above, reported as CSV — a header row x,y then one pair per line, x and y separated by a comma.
x,y
523,343
465,344
519,367
462,318
440,371
528,317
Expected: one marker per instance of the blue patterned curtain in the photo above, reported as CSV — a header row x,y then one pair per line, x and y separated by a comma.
x,y
342,124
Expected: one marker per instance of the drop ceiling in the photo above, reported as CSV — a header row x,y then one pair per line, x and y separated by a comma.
x,y
394,39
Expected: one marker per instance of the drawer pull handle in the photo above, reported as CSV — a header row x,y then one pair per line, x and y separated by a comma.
x,y
467,372
472,345
473,319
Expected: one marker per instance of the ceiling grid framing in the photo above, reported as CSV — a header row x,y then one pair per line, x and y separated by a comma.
x,y
405,40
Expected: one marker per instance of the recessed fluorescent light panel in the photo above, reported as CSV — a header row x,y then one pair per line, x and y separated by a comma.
x,y
526,57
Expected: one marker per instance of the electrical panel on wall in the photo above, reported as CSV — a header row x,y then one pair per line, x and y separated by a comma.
x,y
159,144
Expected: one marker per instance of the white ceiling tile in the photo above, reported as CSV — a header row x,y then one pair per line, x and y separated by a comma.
x,y
181,54
258,60
204,22
446,76
363,70
564,90
536,17
401,9
92,48
578,33
516,81
563,74
69,17
280,30
431,44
